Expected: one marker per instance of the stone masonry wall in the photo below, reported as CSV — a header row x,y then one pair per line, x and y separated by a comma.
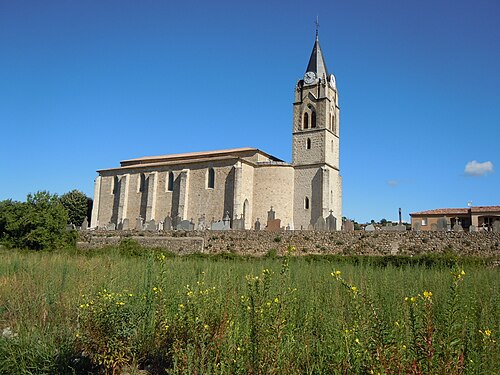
x,y
306,242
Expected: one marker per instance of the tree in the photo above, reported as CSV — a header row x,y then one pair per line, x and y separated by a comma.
x,y
76,204
37,224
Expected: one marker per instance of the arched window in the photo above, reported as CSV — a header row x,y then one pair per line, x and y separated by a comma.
x,y
306,121
331,128
332,146
334,127
306,203
170,181
114,186
313,119
211,178
141,183
308,143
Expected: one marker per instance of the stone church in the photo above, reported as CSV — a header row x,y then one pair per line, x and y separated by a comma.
x,y
239,188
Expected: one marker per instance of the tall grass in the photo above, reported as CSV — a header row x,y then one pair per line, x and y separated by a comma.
x,y
115,312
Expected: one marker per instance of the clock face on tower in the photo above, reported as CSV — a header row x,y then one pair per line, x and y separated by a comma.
x,y
309,77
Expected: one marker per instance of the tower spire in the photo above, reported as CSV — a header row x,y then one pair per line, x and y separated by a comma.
x,y
317,61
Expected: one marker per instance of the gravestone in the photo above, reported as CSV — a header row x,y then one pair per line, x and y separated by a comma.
x,y
85,224
457,227
348,226
239,224
369,228
442,224
434,227
273,225
417,225
220,225
271,214
472,228
496,226
176,220
167,223
331,222
138,223
151,225
227,219
125,224
320,224
111,226
201,223
257,224
185,225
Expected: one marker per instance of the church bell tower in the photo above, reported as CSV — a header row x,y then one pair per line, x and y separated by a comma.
x,y
315,154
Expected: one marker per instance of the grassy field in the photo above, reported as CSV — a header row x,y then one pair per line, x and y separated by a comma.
x,y
116,312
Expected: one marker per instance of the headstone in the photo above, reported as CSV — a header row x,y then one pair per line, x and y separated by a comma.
x,y
125,224
201,223
138,223
457,227
220,225
348,226
273,225
434,227
271,214
176,220
238,224
320,224
227,218
111,226
370,228
257,224
442,224
496,226
472,228
167,223
417,225
185,225
151,225
331,223
85,224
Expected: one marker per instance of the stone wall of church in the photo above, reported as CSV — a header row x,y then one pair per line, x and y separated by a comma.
x,y
307,186
274,186
316,152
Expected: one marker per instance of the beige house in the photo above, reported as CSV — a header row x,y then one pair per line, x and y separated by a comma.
x,y
479,217
242,186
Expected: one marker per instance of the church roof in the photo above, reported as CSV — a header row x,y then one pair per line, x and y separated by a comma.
x,y
205,155
317,61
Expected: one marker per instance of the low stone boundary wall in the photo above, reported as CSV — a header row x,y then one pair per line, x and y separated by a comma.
x,y
305,242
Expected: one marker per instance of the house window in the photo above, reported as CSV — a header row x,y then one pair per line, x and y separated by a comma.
x,y
424,221
170,181
306,121
306,203
308,143
313,119
211,178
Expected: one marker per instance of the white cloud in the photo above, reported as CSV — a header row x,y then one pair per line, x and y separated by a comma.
x,y
393,183
473,168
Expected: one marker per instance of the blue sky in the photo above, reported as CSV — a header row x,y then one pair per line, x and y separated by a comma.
x,y
85,84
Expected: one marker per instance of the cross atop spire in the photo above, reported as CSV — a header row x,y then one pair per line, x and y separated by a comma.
x,y
317,26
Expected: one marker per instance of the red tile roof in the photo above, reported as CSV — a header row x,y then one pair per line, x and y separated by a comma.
x,y
459,211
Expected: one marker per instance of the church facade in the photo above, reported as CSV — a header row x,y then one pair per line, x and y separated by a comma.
x,y
240,187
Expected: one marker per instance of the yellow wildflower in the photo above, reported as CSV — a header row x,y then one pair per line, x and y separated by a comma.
x,y
427,295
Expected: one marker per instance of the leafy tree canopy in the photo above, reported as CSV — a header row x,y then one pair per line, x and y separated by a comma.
x,y
37,224
76,203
